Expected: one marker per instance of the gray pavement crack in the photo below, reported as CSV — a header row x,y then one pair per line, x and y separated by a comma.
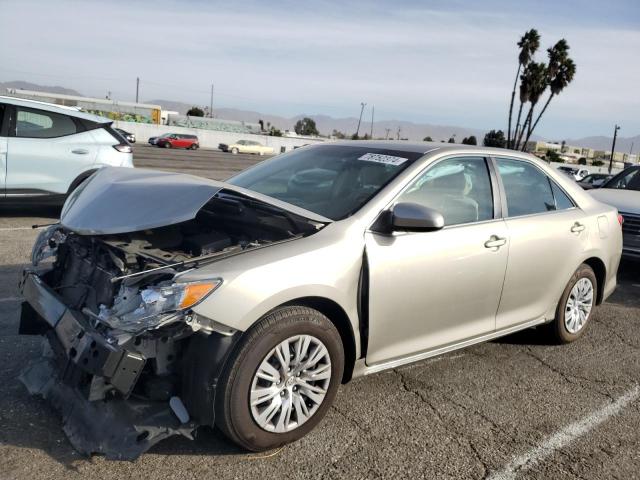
x,y
457,435
571,378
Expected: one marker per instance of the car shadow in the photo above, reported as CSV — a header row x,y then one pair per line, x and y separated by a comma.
x,y
40,211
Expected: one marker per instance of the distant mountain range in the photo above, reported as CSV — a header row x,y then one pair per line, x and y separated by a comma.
x,y
37,88
348,126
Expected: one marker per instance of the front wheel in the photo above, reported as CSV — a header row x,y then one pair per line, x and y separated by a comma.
x,y
167,145
281,380
575,306
234,151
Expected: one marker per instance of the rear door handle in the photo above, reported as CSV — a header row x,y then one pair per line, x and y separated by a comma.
x,y
577,227
495,242
80,151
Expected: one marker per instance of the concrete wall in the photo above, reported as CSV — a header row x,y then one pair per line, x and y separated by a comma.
x,y
211,138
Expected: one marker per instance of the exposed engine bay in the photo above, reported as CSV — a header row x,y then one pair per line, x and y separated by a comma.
x,y
124,343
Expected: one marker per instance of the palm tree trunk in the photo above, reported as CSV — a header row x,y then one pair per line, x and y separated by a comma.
x,y
527,121
538,119
512,145
513,96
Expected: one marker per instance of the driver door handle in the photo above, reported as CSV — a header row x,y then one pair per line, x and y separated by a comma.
x,y
577,227
80,151
495,242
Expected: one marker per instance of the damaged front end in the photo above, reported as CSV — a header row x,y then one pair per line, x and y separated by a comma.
x,y
127,362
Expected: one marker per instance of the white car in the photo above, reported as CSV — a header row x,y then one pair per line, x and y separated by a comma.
x,y
576,173
623,192
247,146
47,150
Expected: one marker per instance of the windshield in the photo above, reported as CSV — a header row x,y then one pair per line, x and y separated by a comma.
x,y
628,179
331,180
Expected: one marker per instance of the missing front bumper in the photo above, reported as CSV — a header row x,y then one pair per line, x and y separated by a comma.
x,y
101,415
119,429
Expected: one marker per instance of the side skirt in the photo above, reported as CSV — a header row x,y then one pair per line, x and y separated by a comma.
x,y
361,368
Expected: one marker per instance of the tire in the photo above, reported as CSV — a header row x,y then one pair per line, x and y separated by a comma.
x,y
193,147
233,413
166,145
563,329
234,151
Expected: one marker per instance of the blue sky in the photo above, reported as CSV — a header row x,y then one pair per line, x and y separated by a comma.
x,y
443,62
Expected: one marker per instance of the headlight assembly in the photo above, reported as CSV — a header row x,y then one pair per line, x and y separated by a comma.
x,y
47,244
154,306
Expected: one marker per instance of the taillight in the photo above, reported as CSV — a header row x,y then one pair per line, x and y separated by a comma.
x,y
124,148
620,219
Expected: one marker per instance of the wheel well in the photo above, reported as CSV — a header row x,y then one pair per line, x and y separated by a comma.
x,y
79,179
600,271
339,318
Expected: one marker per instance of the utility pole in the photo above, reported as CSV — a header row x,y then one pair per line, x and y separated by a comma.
x,y
398,132
373,109
386,135
613,147
211,103
362,105
137,88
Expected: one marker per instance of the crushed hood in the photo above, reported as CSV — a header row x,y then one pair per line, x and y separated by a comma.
x,y
627,201
122,200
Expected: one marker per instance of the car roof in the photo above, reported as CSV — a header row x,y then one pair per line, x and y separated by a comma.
x,y
428,147
51,107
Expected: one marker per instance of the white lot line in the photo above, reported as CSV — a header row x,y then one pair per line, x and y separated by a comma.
x,y
11,229
565,436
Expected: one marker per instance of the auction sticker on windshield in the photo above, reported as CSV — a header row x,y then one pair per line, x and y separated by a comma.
x,y
379,158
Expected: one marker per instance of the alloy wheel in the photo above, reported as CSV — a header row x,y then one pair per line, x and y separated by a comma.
x,y
290,384
579,305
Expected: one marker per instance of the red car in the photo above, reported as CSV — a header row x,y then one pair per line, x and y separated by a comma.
x,y
178,140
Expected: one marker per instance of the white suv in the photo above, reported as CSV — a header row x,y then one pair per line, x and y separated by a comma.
x,y
47,150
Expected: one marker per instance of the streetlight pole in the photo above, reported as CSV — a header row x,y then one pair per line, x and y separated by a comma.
x,y
613,147
373,109
211,103
362,105
137,88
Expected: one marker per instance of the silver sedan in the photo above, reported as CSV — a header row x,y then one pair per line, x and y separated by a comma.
x,y
177,302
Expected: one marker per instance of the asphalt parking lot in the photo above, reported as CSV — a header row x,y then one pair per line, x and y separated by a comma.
x,y
511,408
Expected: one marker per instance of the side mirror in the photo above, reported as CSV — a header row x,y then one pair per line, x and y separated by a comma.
x,y
409,217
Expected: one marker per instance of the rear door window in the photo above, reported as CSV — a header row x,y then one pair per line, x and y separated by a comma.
x,y
527,188
33,123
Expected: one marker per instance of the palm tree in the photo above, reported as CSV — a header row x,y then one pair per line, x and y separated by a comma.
x,y
537,80
525,88
529,44
560,73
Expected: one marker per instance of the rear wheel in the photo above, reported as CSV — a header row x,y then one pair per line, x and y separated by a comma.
x,y
193,146
575,306
281,380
